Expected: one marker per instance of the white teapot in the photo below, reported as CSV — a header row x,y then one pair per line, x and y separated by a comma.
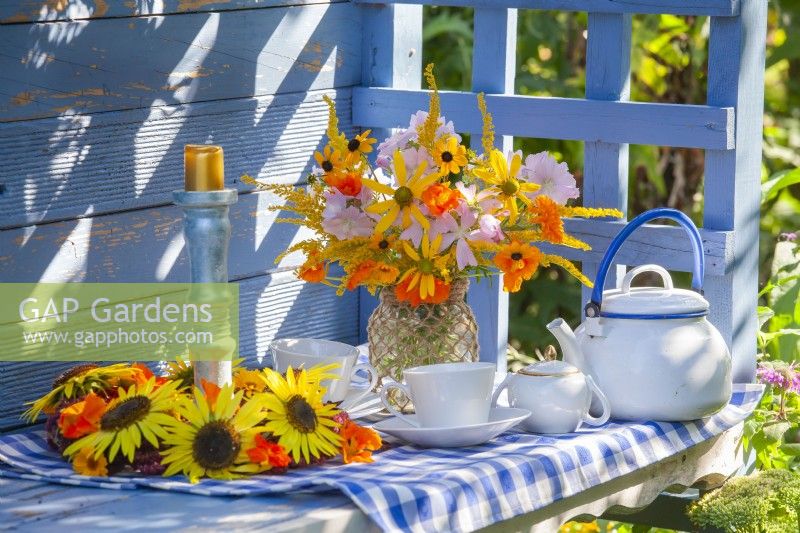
x,y
557,394
651,349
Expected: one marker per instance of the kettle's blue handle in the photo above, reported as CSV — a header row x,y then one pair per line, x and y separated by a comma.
x,y
698,267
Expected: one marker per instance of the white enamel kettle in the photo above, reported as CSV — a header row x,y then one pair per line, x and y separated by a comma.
x,y
651,350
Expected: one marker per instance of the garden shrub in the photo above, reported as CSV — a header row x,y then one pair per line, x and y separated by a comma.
x,y
767,502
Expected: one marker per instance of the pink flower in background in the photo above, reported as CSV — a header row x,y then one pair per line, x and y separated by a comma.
x,y
445,128
414,157
343,220
348,223
387,148
485,200
458,232
401,139
553,177
782,375
335,203
489,229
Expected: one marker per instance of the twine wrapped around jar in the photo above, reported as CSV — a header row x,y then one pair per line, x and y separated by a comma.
x,y
402,336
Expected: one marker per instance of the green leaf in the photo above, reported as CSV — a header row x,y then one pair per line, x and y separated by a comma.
x,y
774,431
791,449
764,315
778,182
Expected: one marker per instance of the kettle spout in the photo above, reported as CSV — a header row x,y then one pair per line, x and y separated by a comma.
x,y
568,342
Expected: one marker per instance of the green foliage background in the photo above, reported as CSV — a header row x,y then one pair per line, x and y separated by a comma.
x,y
669,64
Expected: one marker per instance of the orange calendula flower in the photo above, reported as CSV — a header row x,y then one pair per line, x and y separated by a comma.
x,y
329,160
313,270
372,272
549,219
358,145
348,183
86,464
440,199
268,454
405,293
518,261
449,155
82,418
358,443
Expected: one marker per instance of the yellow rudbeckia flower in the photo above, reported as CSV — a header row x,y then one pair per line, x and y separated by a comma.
x,y
428,261
503,176
402,199
449,155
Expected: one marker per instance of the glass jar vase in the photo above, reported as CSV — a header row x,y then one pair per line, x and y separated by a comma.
x,y
402,336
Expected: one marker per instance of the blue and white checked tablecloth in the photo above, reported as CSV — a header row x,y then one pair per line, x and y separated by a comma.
x,y
411,489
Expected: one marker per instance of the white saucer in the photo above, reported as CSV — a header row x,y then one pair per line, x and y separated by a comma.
x,y
500,419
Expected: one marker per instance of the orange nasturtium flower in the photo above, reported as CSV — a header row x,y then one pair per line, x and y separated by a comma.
x,y
440,199
145,375
268,454
313,270
86,464
211,391
371,272
518,261
82,418
449,155
548,217
358,443
348,183
405,293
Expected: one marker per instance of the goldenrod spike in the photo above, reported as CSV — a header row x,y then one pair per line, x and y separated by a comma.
x,y
487,136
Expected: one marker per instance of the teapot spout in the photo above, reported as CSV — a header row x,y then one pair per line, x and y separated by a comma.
x,y
568,342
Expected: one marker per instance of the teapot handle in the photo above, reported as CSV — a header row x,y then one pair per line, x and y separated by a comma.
x,y
592,309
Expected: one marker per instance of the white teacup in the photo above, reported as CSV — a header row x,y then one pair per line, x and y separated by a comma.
x,y
306,353
446,395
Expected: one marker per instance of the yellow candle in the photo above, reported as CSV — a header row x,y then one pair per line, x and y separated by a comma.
x,y
204,167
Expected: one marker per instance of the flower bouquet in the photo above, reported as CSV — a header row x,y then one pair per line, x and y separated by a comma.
x,y
426,216
122,418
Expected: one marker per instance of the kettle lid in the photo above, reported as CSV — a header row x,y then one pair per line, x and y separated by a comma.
x,y
549,368
652,302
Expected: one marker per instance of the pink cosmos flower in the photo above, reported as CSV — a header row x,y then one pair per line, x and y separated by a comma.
x,y
489,229
554,177
485,200
458,232
343,220
348,223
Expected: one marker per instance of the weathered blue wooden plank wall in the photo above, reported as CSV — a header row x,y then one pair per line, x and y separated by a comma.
x,y
97,100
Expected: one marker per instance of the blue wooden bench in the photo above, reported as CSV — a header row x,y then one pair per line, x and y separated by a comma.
x,y
98,98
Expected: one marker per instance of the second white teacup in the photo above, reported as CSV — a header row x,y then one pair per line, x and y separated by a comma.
x,y
446,395
307,353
